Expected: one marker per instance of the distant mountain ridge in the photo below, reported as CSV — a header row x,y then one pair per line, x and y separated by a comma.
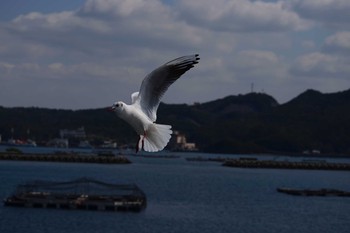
x,y
250,123
252,102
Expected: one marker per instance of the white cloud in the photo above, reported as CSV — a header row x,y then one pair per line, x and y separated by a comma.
x,y
338,43
125,8
56,66
327,70
332,61
241,15
136,23
267,70
256,59
105,47
308,44
333,13
318,64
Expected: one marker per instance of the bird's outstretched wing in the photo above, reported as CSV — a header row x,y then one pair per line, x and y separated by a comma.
x,y
158,81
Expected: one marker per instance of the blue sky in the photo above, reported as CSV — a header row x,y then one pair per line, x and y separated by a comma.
x,y
90,53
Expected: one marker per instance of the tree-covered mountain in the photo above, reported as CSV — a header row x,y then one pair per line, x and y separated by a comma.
x,y
251,123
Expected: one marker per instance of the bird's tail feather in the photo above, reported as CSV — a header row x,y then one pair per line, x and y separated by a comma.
x,y
156,138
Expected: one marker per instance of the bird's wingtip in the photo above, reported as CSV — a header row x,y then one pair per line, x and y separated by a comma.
x,y
197,58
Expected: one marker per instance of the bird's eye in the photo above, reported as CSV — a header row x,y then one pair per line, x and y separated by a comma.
x,y
117,105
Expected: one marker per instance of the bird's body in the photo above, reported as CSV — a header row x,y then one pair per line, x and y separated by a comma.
x,y
142,113
135,117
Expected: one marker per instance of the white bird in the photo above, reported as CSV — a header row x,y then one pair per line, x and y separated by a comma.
x,y
142,113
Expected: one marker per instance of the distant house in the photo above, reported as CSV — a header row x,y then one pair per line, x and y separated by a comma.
x,y
78,133
109,144
312,152
179,142
58,142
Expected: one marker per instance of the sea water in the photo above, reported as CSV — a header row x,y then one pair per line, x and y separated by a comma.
x,y
185,196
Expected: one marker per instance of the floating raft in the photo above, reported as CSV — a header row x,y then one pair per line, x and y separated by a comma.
x,y
80,194
313,165
310,192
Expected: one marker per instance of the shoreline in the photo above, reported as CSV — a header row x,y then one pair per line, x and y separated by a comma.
x,y
70,158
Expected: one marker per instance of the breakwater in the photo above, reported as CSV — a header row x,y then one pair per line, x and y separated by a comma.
x,y
312,165
65,158
312,192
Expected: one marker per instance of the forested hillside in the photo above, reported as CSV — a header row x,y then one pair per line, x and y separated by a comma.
x,y
248,123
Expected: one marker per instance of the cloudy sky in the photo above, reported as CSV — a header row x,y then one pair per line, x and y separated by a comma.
x,y
89,53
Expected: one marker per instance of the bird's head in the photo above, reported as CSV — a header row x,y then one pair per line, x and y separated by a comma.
x,y
117,107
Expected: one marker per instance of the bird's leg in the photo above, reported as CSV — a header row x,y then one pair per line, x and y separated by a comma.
x,y
143,141
140,143
137,145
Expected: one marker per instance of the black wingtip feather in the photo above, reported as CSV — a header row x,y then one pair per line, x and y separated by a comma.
x,y
197,58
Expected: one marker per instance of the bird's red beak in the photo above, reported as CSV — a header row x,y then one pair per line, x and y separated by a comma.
x,y
110,109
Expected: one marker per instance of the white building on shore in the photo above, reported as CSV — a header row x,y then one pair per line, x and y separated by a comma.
x,y
179,142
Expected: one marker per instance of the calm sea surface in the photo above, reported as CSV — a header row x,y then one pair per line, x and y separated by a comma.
x,y
185,197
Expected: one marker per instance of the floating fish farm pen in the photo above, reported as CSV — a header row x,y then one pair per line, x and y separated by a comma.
x,y
79,194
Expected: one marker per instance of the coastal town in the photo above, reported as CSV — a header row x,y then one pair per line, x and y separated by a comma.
x,y
76,141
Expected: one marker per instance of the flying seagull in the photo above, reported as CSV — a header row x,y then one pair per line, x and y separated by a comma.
x,y
142,112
